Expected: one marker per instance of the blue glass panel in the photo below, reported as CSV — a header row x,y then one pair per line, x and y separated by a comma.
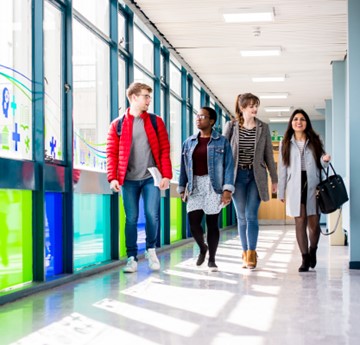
x,y
91,229
141,242
53,234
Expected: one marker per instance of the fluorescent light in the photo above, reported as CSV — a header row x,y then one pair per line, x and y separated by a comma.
x,y
268,79
261,52
249,15
273,95
276,109
279,119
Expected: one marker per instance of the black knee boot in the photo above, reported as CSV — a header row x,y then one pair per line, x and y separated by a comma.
x,y
312,252
305,263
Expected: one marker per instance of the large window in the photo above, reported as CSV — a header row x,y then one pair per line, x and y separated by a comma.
x,y
142,77
121,83
54,83
143,50
15,80
121,30
175,136
196,103
96,11
175,78
223,120
91,99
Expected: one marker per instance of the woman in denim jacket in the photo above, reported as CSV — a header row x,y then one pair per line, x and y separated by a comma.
x,y
207,176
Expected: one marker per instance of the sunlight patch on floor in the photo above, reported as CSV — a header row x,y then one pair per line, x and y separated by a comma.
x,y
149,317
266,289
77,329
195,276
194,300
253,312
231,339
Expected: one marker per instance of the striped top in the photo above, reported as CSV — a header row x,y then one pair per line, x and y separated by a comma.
x,y
300,145
246,145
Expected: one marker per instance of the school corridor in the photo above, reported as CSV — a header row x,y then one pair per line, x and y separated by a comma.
x,y
185,304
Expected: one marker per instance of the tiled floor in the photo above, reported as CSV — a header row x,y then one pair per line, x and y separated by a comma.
x,y
184,304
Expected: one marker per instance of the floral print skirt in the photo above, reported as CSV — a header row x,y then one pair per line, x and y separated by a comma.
x,y
203,196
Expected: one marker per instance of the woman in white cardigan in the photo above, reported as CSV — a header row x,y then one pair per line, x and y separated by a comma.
x,y
301,157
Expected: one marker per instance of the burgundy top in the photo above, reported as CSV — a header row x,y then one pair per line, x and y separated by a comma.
x,y
200,164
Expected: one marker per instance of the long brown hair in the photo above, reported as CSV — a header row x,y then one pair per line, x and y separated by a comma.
x,y
243,101
314,144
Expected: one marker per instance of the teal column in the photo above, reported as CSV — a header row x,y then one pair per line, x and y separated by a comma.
x,y
328,140
353,77
328,125
38,132
338,116
114,104
338,147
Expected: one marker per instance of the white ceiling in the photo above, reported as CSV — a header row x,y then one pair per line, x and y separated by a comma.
x,y
311,34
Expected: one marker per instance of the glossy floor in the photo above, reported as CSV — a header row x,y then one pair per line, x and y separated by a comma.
x,y
185,304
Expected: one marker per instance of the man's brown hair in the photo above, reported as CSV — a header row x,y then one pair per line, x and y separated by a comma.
x,y
135,89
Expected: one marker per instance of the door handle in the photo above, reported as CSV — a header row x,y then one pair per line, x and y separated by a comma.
x,y
67,88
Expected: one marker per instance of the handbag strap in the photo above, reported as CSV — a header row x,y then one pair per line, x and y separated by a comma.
x,y
326,232
326,171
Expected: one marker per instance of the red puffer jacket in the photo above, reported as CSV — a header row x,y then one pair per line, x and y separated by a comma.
x,y
118,148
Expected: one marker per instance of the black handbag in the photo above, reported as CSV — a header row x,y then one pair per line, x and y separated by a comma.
x,y
331,193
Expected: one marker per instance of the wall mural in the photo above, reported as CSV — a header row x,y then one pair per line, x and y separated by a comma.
x,y
89,155
16,125
15,114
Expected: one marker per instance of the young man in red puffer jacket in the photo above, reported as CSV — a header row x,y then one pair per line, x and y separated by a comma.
x,y
139,146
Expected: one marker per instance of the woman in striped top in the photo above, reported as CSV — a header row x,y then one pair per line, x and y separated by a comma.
x,y
300,160
251,145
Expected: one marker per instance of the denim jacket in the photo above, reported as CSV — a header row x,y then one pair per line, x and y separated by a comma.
x,y
220,163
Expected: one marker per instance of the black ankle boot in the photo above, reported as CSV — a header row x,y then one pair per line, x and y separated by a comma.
x,y
305,263
201,257
312,252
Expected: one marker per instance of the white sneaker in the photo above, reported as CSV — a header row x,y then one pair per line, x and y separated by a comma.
x,y
154,263
131,265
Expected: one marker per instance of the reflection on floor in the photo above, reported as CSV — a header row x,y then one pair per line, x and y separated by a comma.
x,y
185,304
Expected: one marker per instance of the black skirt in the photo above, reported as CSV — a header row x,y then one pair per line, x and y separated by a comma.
x,y
303,187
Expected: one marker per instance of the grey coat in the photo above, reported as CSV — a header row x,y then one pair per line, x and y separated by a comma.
x,y
289,187
263,158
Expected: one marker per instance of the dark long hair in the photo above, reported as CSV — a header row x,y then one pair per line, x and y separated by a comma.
x,y
314,144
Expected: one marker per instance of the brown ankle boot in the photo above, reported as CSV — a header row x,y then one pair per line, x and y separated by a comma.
x,y
244,259
251,259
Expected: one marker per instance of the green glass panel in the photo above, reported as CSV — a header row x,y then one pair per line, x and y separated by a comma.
x,y
122,245
175,219
91,229
224,217
15,237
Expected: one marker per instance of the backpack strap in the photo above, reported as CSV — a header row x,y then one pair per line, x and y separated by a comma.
x,y
121,120
119,125
153,121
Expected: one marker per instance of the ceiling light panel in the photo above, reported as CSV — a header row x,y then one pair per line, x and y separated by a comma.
x,y
261,52
249,15
273,95
276,109
279,119
265,79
